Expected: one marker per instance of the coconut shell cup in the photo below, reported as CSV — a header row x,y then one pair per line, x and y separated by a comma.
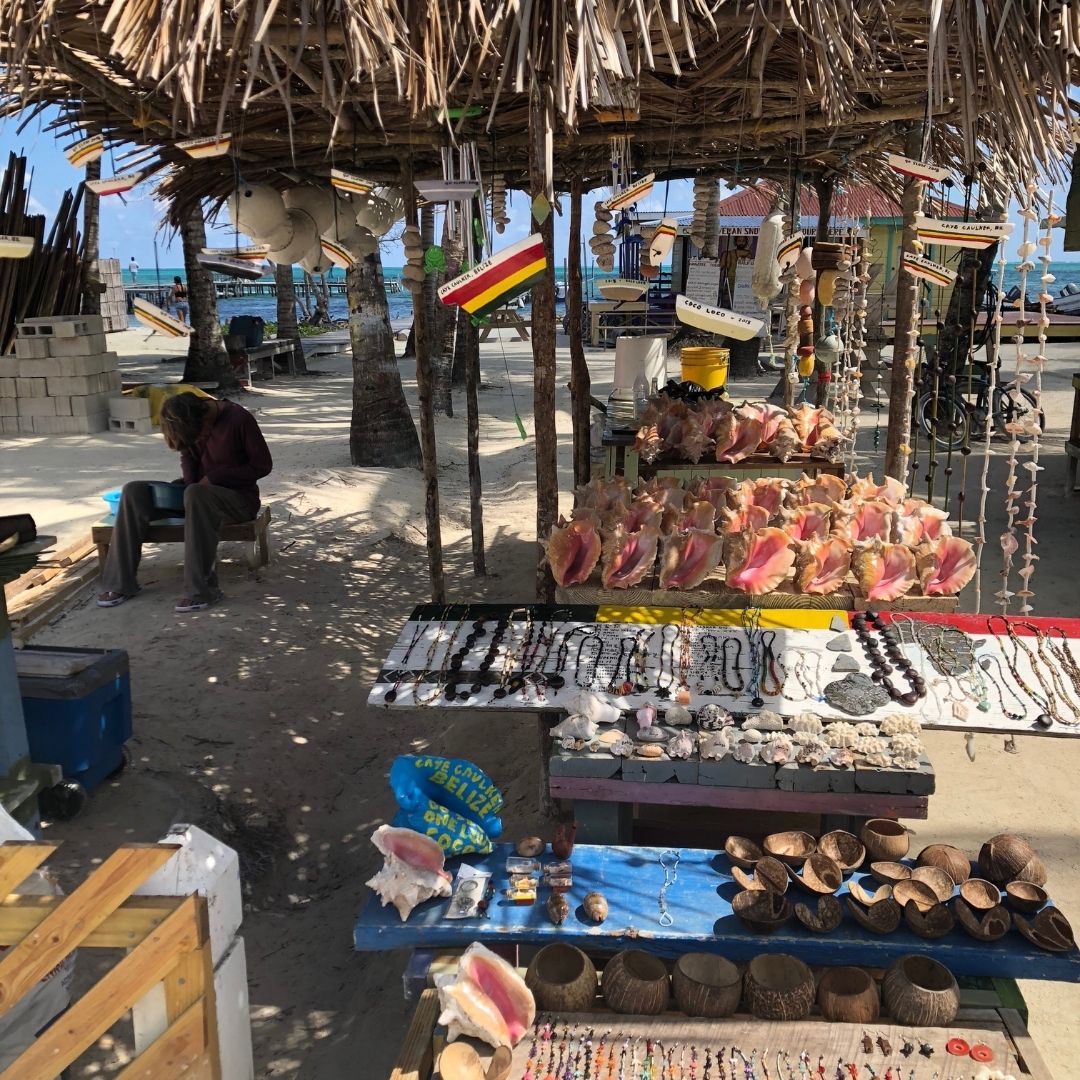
x,y
844,848
865,897
880,918
820,874
939,881
982,925
915,892
1025,897
848,995
770,874
822,920
706,985
761,910
1006,858
885,840
636,983
793,847
562,979
742,852
948,858
890,873
1049,930
920,992
778,987
980,894
935,922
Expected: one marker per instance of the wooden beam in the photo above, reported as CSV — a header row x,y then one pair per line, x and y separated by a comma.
x,y
22,914
18,860
470,333
580,383
175,1052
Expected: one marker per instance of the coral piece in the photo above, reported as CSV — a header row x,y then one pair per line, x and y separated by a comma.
x,y
906,745
573,550
487,1000
945,565
777,751
841,757
809,723
899,724
745,752
714,745
866,730
821,566
840,734
884,571
810,521
765,720
681,745
412,871
758,563
688,558
868,744
628,557
823,488
622,747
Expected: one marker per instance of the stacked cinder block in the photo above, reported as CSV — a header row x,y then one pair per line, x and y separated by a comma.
x,y
130,414
113,301
60,379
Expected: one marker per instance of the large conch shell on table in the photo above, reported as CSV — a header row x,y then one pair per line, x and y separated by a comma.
x,y
944,565
573,550
628,557
745,519
688,558
823,488
890,490
765,491
806,421
919,521
756,563
603,495
859,521
884,571
827,444
771,417
808,522
643,511
821,566
737,436
486,1000
412,870
696,514
785,442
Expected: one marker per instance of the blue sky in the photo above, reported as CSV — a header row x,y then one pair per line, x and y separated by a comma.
x,y
131,227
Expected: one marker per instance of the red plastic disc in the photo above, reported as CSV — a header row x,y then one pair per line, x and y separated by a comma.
x,y
982,1052
958,1048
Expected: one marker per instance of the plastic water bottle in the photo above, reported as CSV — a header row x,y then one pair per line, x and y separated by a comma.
x,y
641,395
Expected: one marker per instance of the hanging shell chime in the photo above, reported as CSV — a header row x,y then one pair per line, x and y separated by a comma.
x,y
412,274
498,203
602,243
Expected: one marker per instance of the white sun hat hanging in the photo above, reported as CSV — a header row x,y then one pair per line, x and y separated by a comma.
x,y
305,236
258,211
317,201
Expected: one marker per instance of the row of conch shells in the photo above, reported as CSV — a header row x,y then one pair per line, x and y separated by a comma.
x,y
498,203
602,242
412,869
764,532
485,999
703,225
730,433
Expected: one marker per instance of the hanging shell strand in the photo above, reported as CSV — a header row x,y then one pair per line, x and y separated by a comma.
x,y
498,203
413,273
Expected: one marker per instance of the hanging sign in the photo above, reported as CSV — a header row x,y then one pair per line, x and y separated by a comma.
x,y
716,320
16,247
226,264
255,253
206,147
621,289
114,185
743,298
337,253
919,169
927,270
496,281
969,234
151,315
662,241
629,195
788,252
703,281
352,185
440,191
85,151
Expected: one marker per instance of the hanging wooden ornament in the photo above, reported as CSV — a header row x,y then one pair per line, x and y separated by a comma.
x,y
209,146
918,266
787,253
152,316
350,183
630,195
716,320
663,240
114,185
83,152
226,264
907,166
499,279
970,234
16,247
498,203
337,252
252,253
621,289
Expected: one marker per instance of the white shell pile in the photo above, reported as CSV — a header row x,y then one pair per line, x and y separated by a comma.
x,y
498,203
602,242
413,273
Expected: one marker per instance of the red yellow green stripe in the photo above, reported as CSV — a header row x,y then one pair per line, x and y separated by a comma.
x,y
631,194
155,318
354,185
497,280
928,270
337,253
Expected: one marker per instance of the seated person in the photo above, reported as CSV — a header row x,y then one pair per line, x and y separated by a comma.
x,y
222,455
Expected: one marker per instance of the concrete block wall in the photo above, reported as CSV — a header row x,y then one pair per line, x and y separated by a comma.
x,y
114,313
60,380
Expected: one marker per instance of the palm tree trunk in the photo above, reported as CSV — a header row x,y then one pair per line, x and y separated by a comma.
x,y
91,280
207,360
382,432
286,313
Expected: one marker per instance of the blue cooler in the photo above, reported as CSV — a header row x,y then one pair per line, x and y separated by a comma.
x,y
77,704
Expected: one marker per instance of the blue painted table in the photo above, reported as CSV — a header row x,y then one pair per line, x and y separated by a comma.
x,y
700,903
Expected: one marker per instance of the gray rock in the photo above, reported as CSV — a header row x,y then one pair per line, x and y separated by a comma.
x,y
840,643
845,663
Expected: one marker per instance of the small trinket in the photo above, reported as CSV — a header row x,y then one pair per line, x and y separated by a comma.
x,y
712,717
557,908
907,1049
867,1044
596,907
650,750
682,696
925,1049
563,844
646,716
884,1045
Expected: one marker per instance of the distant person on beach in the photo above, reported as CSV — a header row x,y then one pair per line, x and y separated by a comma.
x,y
222,456
179,298
133,270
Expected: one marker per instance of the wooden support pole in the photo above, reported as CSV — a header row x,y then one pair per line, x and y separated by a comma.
x,y
824,187
425,392
470,335
580,384
905,341
541,125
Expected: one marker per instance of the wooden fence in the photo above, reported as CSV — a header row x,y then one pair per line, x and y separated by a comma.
x,y
167,942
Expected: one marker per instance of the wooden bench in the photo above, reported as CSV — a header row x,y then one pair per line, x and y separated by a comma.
x,y
1072,447
171,531
506,318
269,350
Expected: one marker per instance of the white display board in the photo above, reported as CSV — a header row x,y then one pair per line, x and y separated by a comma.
x,y
703,281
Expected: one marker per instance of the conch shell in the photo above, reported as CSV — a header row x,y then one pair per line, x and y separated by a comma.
x,y
487,1000
689,558
884,571
945,566
628,557
573,550
807,522
823,488
858,521
767,492
890,490
758,562
821,566
919,521
412,871
738,438
785,442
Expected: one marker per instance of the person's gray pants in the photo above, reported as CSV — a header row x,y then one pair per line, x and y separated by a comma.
x,y
206,509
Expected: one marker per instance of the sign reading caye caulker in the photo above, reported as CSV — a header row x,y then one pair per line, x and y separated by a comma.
x,y
496,281
969,234
716,320
918,266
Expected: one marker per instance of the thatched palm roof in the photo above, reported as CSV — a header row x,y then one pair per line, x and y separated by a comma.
x,y
754,88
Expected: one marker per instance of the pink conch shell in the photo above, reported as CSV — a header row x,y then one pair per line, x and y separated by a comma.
x,y
643,511
742,438
919,521
713,489
628,557
713,414
857,522
890,490
767,492
488,1000
826,444
573,551
823,488
688,558
746,519
785,442
693,440
809,522
697,514
821,566
648,443
884,571
412,871
771,416
758,562
945,565
603,495
805,420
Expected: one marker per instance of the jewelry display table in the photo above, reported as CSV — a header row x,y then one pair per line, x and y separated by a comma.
x,y
1000,1028
699,902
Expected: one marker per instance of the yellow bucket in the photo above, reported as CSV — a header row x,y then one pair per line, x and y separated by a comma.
x,y
708,367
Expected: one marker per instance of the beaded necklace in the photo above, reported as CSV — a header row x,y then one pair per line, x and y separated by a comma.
x,y
1048,704
666,645
710,678
769,664
734,687
985,663
441,677
751,619
595,661
864,625
1041,642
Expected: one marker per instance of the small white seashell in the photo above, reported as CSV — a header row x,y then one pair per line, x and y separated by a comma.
x,y
750,735
575,727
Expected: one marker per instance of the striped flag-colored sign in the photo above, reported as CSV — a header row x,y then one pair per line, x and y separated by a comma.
x,y
350,183
630,195
919,169
920,267
114,185
969,234
207,146
85,151
787,255
496,281
151,315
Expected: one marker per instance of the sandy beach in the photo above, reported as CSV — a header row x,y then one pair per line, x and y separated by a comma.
x,y
250,718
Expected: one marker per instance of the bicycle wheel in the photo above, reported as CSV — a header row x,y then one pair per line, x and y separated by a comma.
x,y
1011,405
949,426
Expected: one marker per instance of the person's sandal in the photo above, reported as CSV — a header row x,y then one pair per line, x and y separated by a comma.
x,y
186,606
112,599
